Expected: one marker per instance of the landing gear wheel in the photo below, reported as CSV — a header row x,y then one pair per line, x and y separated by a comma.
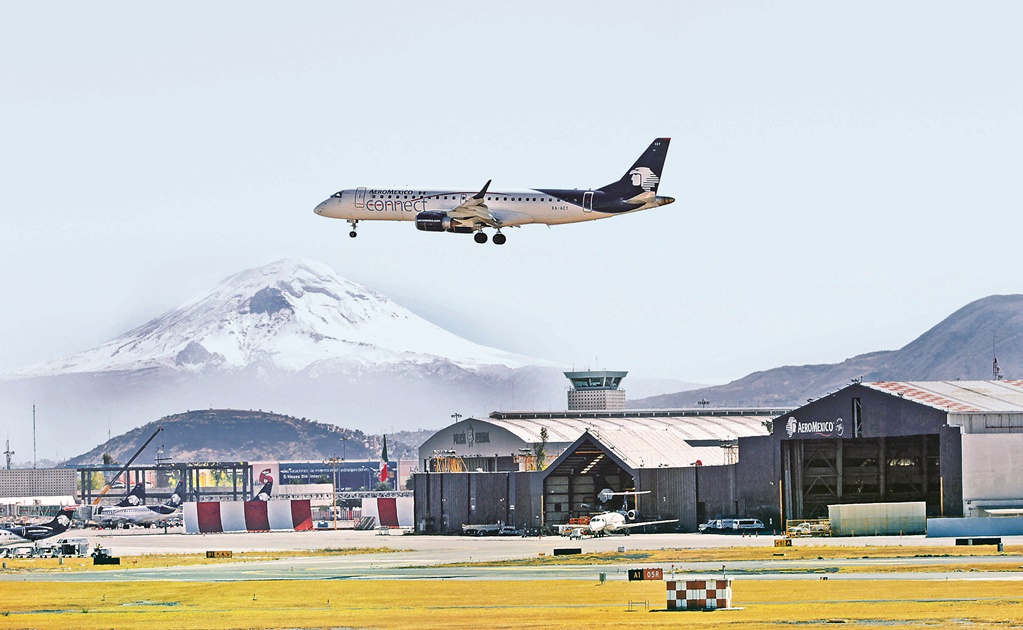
x,y
353,234
499,239
481,237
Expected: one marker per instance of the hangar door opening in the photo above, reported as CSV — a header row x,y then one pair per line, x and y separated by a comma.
x,y
819,473
570,490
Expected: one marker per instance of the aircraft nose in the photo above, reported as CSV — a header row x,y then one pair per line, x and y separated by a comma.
x,y
321,209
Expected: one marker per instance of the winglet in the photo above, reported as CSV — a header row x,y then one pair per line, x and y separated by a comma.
x,y
483,193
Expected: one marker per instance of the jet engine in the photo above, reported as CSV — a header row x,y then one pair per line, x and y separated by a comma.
x,y
631,515
439,222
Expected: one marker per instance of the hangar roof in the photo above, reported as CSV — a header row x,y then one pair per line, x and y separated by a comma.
x,y
959,396
636,428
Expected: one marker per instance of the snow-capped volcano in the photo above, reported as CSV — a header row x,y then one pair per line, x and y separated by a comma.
x,y
293,315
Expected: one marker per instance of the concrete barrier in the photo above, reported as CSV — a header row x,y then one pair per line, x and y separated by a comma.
x,y
975,527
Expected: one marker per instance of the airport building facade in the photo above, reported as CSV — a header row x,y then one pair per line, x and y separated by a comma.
x,y
956,446
502,480
37,482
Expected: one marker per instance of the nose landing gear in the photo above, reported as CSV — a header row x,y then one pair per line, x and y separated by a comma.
x,y
353,223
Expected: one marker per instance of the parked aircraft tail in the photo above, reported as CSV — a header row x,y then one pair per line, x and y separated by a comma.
x,y
137,496
62,520
177,496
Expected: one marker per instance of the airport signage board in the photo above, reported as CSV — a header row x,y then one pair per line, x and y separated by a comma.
x,y
646,574
797,429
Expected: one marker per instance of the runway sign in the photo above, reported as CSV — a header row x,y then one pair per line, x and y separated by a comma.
x,y
699,594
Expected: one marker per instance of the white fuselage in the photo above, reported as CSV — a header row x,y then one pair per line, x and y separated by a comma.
x,y
510,207
137,514
607,522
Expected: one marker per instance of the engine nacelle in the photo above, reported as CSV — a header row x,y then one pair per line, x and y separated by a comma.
x,y
433,222
440,222
631,515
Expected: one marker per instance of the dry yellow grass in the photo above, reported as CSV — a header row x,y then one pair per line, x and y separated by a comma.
x,y
971,555
512,604
150,561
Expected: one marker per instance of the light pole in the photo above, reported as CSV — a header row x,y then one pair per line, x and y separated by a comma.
x,y
333,461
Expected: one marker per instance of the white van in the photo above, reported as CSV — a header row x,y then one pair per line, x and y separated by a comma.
x,y
73,546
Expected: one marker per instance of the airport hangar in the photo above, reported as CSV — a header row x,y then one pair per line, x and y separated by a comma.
x,y
957,446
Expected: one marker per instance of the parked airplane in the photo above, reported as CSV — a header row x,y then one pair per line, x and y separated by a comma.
x,y
32,533
612,522
267,480
136,514
462,212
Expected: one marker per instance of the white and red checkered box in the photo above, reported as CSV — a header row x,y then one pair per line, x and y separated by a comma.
x,y
699,594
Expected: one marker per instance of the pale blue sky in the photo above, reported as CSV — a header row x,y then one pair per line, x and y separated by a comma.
x,y
847,174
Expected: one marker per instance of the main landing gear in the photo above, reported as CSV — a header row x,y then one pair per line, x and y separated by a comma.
x,y
481,237
353,223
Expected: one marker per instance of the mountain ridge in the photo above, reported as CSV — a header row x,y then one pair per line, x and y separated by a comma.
x,y
962,346
246,435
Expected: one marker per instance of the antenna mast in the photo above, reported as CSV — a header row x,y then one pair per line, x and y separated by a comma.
x,y
996,373
8,453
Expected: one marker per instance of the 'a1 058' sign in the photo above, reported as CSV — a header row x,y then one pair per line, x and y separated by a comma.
x,y
795,428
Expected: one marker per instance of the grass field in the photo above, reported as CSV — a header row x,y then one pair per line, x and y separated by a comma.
x,y
471,604
778,604
152,561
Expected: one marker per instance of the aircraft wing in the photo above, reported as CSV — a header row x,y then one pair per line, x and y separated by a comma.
x,y
474,209
645,523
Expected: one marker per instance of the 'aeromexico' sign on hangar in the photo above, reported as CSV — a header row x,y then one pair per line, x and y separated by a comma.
x,y
796,429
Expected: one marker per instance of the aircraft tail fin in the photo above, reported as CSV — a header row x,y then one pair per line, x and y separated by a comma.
x,y
62,520
645,174
137,496
177,496
264,492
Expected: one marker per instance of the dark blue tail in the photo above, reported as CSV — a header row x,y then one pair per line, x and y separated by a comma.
x,y
645,174
137,496
177,496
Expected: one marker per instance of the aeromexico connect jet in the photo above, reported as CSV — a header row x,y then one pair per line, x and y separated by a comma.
x,y
466,212
137,514
32,533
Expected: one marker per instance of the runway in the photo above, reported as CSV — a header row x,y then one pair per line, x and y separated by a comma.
x,y
418,557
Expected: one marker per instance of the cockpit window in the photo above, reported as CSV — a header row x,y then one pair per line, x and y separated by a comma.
x,y
337,194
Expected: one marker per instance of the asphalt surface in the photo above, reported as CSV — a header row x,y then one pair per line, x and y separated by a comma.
x,y
422,557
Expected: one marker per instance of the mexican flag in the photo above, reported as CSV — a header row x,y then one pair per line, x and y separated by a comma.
x,y
383,462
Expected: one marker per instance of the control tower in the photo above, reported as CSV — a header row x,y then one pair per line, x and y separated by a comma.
x,y
595,390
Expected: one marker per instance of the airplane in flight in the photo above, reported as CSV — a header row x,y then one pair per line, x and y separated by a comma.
x,y
612,522
137,514
466,212
32,533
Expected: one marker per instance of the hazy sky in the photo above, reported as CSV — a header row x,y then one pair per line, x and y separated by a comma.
x,y
847,174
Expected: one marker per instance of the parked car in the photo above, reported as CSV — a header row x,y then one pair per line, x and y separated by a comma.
x,y
807,528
